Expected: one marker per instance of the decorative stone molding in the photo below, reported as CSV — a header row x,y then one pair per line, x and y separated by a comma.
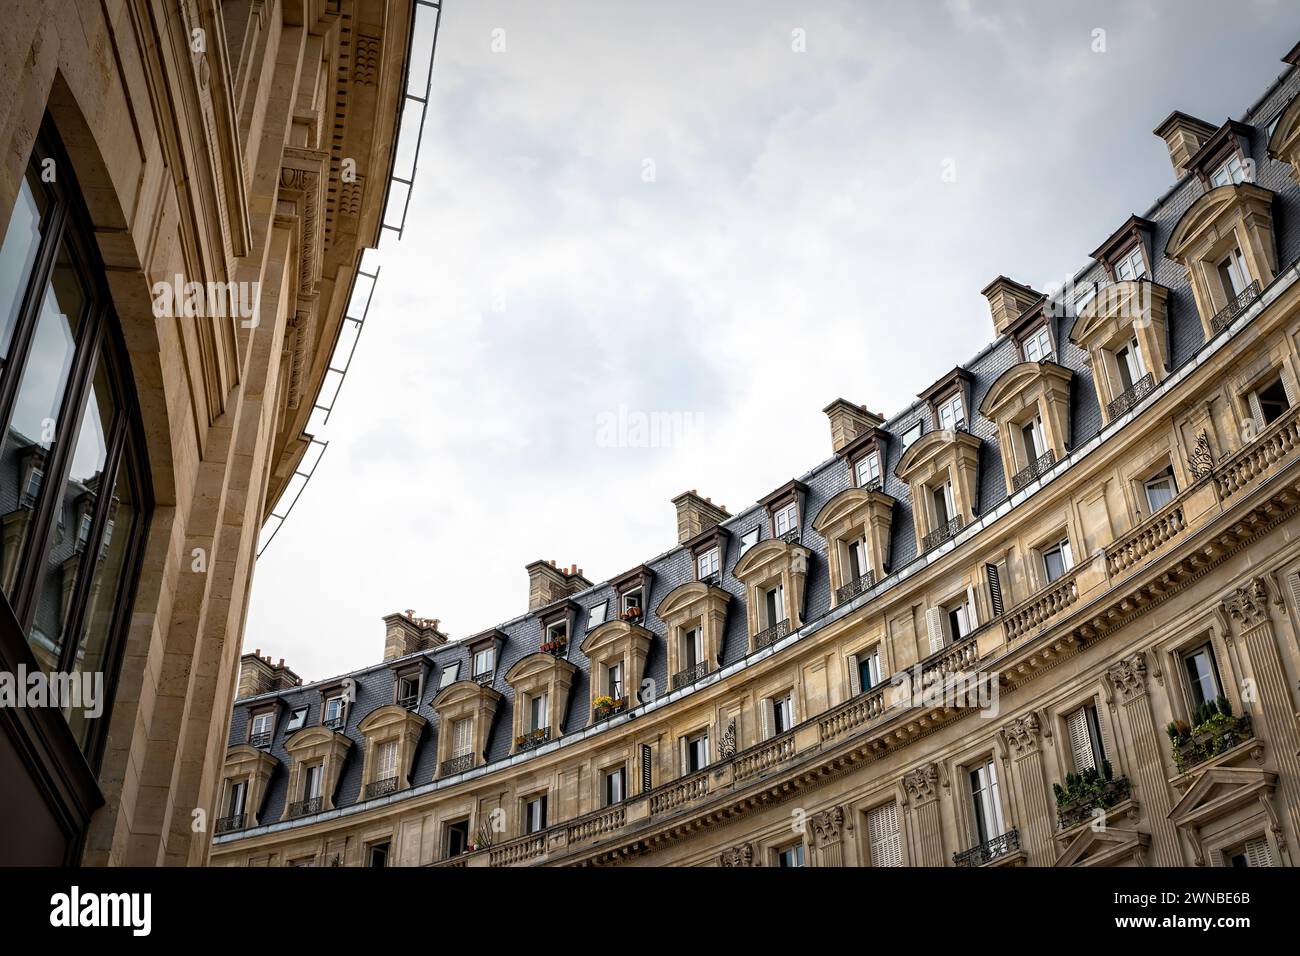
x,y
1200,461
391,723
311,747
617,642
921,784
828,825
1023,734
727,741
767,564
254,767
950,456
739,855
1128,676
1284,144
1118,314
1248,605
465,700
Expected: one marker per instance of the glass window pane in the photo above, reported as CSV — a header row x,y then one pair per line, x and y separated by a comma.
x,y
76,509
21,241
36,409
110,558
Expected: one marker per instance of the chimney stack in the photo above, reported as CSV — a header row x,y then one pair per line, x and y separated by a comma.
x,y
696,514
1184,135
1007,300
548,583
848,421
257,675
405,633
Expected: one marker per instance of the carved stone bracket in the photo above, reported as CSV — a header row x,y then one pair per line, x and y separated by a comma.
x,y
828,825
1248,605
1128,676
1023,735
920,784
740,855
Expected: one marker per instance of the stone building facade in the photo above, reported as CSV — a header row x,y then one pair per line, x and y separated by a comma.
x,y
187,188
1047,615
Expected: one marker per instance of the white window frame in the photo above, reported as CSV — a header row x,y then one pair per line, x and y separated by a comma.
x,y
596,614
1038,345
867,469
708,563
1149,485
785,519
1231,171
1061,547
950,413
1132,266
913,432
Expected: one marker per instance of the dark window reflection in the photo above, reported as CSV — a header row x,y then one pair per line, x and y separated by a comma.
x,y
22,239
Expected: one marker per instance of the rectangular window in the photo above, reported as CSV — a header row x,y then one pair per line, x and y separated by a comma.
x,y
484,661
748,540
986,804
856,552
408,691
386,760
884,845
1057,559
774,605
462,732
262,724
311,782
535,814
693,647
790,856
1132,266
1232,171
457,837
1031,432
450,673
333,713
912,434
869,669
614,680
615,786
596,615
1268,402
696,749
1129,362
958,621
868,469
1202,676
1254,852
950,413
941,501
782,714
238,792
1038,345
377,855
1233,273
1159,491
538,715
786,519
1084,732
632,601
707,563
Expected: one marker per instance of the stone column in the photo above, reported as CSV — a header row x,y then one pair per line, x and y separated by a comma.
x,y
828,832
925,829
1128,679
1248,607
1023,736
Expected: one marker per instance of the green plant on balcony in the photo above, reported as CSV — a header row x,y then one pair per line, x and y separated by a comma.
x,y
1213,730
1088,791
603,705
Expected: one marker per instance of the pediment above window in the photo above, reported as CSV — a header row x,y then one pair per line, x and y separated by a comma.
x,y
538,667
775,573
465,694
547,680
1108,846
1226,800
856,518
942,472
1123,330
392,736
312,740
932,447
1030,404
615,634
1284,144
390,719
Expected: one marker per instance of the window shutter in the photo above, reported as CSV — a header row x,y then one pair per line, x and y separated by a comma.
x,y
647,768
934,622
1107,748
460,745
884,846
1256,412
855,676
386,765
995,588
1289,386
1294,578
972,609
1076,726
544,712
1258,852
765,718
1067,557
686,757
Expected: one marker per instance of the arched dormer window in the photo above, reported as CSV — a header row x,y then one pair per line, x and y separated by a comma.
x,y
1123,330
1225,242
856,524
465,712
541,683
244,783
774,573
941,469
1030,403
392,735
617,651
695,615
318,754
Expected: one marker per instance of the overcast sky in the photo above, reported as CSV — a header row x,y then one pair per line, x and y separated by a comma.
x,y
724,215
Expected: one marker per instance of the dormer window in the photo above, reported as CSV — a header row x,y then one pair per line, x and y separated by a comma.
x,y
749,539
785,520
950,413
1037,345
262,729
1132,265
785,506
1230,172
541,684
334,713
297,719
32,491
867,469
707,564
408,691
557,634
633,590
484,663
632,604
1084,293
695,615
596,615
1233,273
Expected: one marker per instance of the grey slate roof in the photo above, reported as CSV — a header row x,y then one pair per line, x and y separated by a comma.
x,y
374,684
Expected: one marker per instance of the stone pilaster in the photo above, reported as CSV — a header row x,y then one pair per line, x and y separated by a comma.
x,y
1128,680
1248,608
1024,737
925,829
828,833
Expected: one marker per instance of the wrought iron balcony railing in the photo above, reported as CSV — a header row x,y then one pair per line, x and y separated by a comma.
x,y
1236,305
534,738
617,707
381,788
874,484
230,823
772,634
334,723
410,702
690,675
860,584
304,808
261,741
485,677
1131,396
1031,471
941,534
457,765
989,850
712,580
